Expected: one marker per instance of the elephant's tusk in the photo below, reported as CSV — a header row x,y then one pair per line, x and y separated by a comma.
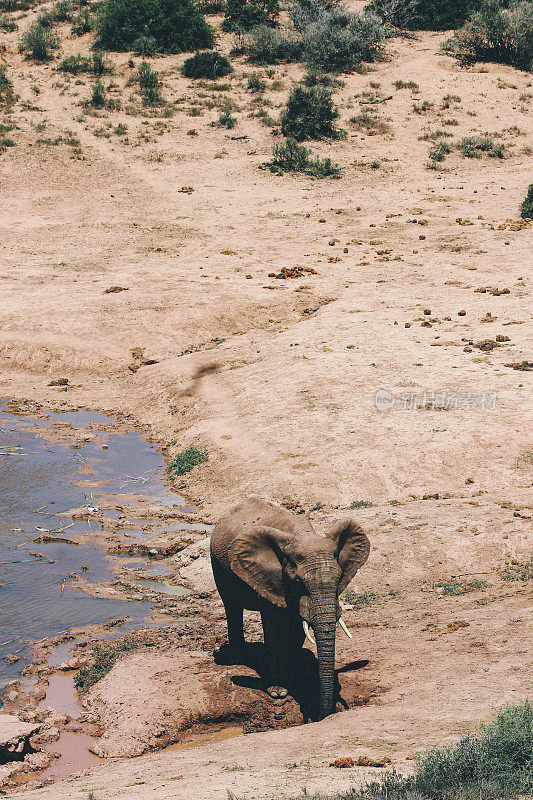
x,y
345,629
308,632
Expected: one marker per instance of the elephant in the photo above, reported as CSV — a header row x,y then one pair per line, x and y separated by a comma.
x,y
267,559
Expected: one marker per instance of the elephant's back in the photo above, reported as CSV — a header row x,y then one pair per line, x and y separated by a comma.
x,y
253,512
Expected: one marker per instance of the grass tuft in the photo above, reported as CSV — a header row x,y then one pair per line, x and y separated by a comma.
x,y
185,461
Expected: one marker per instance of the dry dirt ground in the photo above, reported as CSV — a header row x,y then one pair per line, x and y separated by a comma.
x,y
290,411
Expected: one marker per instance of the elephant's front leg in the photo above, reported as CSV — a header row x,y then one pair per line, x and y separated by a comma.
x,y
277,630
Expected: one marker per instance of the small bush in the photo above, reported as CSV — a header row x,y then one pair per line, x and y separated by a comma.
x,y
476,146
207,64
361,503
243,15
7,23
98,96
225,118
495,33
412,85
83,22
185,461
437,153
293,157
309,114
335,39
524,571
7,95
38,42
212,6
62,11
318,78
255,84
104,657
370,123
75,64
455,587
433,15
176,25
145,46
149,84
265,45
361,599
423,107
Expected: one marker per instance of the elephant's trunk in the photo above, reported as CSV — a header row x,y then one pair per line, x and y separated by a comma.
x,y
324,619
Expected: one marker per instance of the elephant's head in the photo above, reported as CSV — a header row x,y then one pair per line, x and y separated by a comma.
x,y
305,572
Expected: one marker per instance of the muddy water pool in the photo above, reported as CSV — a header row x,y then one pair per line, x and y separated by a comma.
x,y
40,482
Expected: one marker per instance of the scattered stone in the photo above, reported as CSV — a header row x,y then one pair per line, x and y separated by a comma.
x,y
59,382
116,289
186,190
523,366
455,626
461,313
292,272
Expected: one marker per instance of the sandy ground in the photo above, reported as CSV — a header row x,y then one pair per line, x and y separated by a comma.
x,y
290,412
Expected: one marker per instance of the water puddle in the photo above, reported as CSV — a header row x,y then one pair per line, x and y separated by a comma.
x,y
64,479
39,486
74,755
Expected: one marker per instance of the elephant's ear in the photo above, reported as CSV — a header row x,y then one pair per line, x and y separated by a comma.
x,y
353,548
255,557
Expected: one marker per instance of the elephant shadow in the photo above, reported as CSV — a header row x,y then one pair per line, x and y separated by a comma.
x,y
302,683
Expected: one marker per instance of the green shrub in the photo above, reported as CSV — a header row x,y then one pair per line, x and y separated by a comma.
x,y
476,146
83,22
207,64
176,25
266,45
336,39
98,96
293,157
75,64
225,118
370,123
7,23
437,153
185,461
255,84
315,77
212,6
412,85
145,46
62,11
243,15
7,95
523,571
455,587
38,42
361,504
433,15
99,65
149,84
104,657
494,33
309,114
361,599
